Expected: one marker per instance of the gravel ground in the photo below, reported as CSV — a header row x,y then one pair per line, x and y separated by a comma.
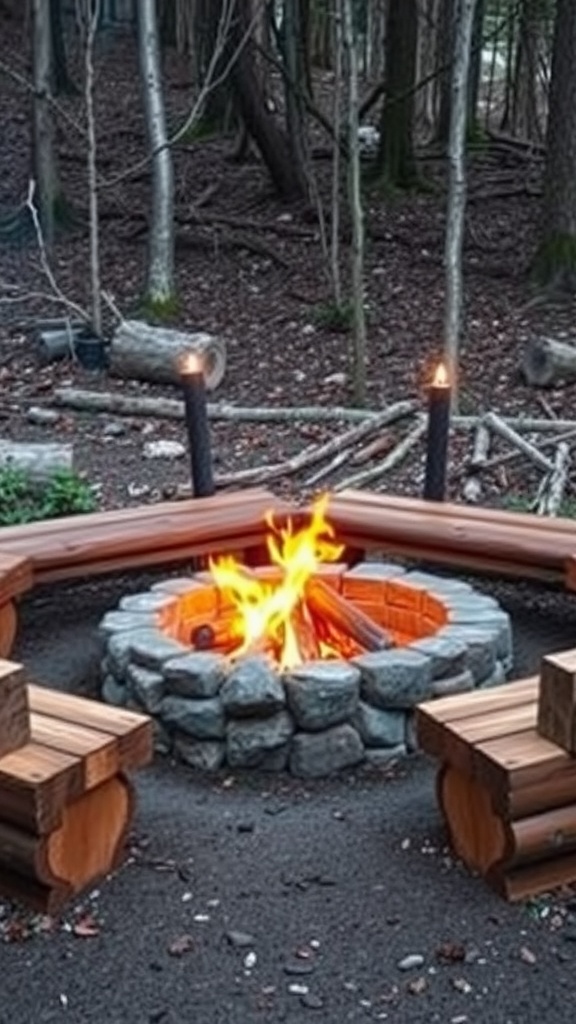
x,y
254,899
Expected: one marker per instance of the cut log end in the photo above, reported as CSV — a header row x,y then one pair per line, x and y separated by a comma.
x,y
547,362
140,351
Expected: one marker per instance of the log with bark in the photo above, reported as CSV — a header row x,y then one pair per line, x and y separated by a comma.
x,y
38,461
141,352
547,362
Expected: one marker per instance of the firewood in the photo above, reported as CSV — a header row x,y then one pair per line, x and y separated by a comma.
x,y
499,426
557,700
392,459
555,483
327,604
472,489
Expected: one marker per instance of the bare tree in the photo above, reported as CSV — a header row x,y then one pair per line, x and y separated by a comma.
x,y
457,187
160,287
45,166
88,17
359,352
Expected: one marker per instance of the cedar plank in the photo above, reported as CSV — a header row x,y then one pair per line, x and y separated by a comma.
x,y
35,785
98,750
132,731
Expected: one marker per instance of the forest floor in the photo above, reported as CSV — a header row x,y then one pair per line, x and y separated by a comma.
x,y
251,270
258,899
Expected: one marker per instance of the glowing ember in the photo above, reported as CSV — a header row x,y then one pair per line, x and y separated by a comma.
x,y
272,615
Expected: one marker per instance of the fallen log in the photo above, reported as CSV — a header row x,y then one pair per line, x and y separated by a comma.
x,y
472,489
139,351
168,408
38,461
547,362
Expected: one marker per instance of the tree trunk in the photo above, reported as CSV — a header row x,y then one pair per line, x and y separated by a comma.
x,y
44,150
525,121
62,83
272,143
295,82
210,23
160,288
475,67
395,161
444,61
356,211
555,262
457,190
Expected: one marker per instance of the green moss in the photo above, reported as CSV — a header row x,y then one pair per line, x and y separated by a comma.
x,y
554,265
160,311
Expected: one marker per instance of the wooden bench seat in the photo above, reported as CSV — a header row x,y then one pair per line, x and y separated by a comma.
x,y
508,795
66,802
491,541
133,538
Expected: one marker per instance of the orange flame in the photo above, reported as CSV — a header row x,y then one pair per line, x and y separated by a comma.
x,y
264,608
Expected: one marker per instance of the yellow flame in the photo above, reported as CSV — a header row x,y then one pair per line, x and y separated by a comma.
x,y
264,608
441,379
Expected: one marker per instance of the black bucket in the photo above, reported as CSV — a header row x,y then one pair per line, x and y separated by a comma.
x,y
90,352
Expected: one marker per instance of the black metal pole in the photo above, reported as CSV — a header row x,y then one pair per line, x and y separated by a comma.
x,y
199,446
437,441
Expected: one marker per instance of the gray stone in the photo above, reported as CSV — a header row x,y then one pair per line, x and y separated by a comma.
x,y
470,606
42,417
161,738
114,692
410,734
206,755
252,689
203,719
322,693
315,754
119,651
121,622
461,683
375,570
383,757
178,585
152,648
249,740
147,602
497,678
147,686
198,674
275,760
437,584
379,728
500,623
395,679
447,656
481,644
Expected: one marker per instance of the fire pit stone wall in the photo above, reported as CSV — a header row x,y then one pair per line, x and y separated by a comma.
x,y
323,716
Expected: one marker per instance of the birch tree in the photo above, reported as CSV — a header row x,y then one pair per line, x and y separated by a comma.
x,y
456,207
160,287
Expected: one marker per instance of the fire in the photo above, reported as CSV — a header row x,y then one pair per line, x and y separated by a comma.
x,y
268,611
441,379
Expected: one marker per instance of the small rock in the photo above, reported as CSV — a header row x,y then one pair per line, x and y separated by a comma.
x,y
239,939
42,417
297,989
138,490
527,956
461,985
312,1001
163,450
410,962
250,960
299,967
113,429
417,986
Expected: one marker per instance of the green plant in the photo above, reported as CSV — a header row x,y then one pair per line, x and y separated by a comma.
x,y
335,316
67,495
22,502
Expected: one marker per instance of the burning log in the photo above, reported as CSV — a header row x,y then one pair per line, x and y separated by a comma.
x,y
326,604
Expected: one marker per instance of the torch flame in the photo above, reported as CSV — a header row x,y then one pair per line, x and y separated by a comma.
x,y
264,608
441,379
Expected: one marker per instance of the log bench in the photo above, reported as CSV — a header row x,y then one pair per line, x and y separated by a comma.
x,y
66,802
508,796
508,544
74,547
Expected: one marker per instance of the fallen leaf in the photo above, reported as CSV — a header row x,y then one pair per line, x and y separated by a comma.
x,y
183,944
451,952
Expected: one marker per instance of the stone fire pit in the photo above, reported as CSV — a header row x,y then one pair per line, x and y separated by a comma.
x,y
213,711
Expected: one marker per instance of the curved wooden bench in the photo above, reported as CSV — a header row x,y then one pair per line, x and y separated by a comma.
x,y
489,541
133,538
66,802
